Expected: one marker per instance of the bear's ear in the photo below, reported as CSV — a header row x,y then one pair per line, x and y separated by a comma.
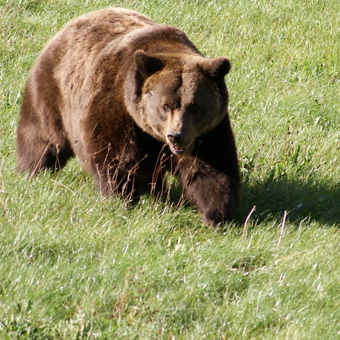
x,y
147,64
217,67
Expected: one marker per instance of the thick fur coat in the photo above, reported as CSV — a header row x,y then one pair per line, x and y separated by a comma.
x,y
132,99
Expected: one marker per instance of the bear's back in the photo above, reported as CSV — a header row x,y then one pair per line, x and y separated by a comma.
x,y
86,36
103,26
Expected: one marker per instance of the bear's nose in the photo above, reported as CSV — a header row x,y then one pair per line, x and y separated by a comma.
x,y
175,138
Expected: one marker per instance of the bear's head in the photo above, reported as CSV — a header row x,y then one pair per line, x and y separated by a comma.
x,y
178,98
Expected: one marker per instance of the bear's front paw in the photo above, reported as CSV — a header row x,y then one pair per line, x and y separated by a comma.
x,y
214,218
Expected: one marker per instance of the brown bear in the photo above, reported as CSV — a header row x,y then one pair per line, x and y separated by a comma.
x,y
133,100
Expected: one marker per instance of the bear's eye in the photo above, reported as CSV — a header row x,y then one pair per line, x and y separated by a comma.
x,y
166,107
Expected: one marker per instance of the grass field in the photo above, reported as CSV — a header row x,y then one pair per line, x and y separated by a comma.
x,y
76,266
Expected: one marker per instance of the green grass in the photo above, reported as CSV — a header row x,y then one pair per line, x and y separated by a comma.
x,y
76,266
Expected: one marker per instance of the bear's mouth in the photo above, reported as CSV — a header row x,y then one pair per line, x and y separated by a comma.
x,y
180,150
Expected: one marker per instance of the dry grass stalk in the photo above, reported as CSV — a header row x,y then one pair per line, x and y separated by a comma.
x,y
246,221
282,226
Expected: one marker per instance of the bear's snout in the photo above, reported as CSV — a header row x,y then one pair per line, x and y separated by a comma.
x,y
175,138
178,145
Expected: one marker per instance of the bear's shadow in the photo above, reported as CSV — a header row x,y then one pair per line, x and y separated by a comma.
x,y
318,202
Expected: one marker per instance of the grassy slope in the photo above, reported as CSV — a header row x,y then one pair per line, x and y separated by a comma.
x,y
73,265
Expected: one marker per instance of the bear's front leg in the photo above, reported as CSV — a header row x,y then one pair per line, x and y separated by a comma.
x,y
214,193
210,177
117,173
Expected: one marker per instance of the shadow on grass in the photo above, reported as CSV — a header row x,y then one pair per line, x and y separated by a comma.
x,y
301,200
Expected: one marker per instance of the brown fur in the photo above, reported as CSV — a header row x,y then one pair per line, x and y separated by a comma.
x,y
113,88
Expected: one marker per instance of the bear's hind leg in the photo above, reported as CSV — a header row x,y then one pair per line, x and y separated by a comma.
x,y
35,154
35,150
